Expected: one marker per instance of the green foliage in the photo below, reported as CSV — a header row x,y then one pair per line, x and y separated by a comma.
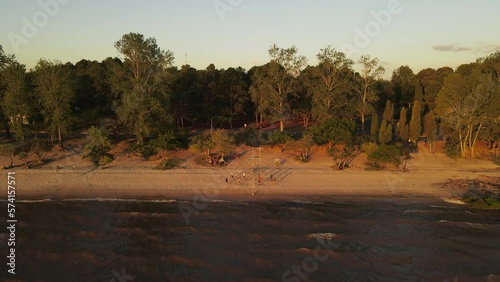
x,y
54,87
388,112
202,142
369,148
98,144
451,150
169,163
301,147
342,157
277,138
248,136
385,154
170,141
333,131
416,122
141,84
404,131
419,94
224,143
385,133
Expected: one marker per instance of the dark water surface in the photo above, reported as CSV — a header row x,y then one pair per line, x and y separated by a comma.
x,y
349,239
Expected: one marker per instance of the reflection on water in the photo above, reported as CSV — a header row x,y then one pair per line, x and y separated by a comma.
x,y
369,240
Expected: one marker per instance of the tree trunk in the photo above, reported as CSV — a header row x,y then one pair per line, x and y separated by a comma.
x,y
7,129
282,125
363,123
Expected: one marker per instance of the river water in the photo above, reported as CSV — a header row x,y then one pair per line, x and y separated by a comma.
x,y
335,239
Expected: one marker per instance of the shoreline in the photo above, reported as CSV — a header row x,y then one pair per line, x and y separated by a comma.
x,y
205,183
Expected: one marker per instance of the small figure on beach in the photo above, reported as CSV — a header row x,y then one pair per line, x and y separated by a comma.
x,y
259,179
227,180
232,175
244,175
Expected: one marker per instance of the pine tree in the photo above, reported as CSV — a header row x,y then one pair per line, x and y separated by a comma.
x,y
415,122
385,133
403,126
389,111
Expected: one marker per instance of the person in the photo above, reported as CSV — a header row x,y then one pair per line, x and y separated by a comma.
x,y
259,179
243,175
232,175
227,180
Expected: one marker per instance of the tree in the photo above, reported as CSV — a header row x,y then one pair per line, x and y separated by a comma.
x,y
415,122
403,81
468,101
330,83
142,85
17,102
385,133
301,147
274,83
333,131
389,112
223,143
98,144
54,87
491,65
370,73
430,127
234,93
404,131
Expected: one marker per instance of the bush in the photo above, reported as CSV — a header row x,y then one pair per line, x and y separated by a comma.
x,y
385,154
248,137
98,144
278,138
369,148
106,159
40,148
202,142
169,164
451,150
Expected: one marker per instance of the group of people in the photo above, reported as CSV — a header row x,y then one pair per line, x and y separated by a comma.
x,y
259,177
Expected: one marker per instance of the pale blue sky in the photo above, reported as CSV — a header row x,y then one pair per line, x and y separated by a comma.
x,y
462,30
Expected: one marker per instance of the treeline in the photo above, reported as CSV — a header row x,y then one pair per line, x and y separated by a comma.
x,y
145,96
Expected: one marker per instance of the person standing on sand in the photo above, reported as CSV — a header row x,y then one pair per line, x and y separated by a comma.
x,y
227,180
259,179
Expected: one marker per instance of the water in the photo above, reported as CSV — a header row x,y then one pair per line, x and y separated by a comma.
x,y
367,239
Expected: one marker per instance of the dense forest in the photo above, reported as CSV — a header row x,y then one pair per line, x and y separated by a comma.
x,y
141,95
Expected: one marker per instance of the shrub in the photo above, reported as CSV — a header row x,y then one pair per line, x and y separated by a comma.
x,y
369,148
98,144
169,164
40,148
248,137
202,142
451,150
385,154
278,138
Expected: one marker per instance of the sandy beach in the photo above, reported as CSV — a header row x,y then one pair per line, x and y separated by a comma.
x,y
131,177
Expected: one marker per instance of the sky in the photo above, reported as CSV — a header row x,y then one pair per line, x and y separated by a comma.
x,y
231,33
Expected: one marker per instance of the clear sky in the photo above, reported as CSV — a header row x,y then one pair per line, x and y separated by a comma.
x,y
231,33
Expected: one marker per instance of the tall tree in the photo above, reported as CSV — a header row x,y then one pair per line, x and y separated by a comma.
x,y
416,122
143,83
274,83
371,71
404,131
385,133
17,102
389,112
403,81
468,101
330,83
234,94
55,88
